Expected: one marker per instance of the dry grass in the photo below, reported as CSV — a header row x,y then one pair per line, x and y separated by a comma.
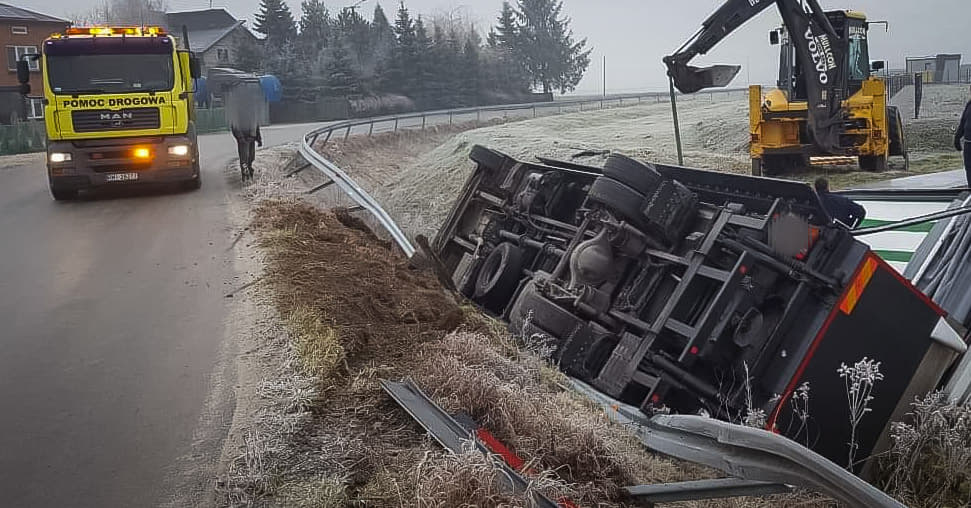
x,y
929,463
546,426
321,353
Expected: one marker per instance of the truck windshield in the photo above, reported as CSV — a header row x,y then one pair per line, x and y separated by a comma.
x,y
107,73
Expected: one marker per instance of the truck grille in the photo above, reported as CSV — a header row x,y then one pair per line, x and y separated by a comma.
x,y
108,120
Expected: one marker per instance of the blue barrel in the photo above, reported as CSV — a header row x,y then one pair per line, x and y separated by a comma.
x,y
272,89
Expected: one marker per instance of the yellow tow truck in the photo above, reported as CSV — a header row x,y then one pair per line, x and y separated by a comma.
x,y
118,109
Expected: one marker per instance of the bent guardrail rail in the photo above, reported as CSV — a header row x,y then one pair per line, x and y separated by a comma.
x,y
309,150
359,195
742,452
756,454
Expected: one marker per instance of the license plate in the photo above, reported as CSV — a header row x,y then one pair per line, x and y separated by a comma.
x,y
121,177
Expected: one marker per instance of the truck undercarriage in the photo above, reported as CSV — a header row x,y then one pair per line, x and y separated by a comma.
x,y
699,292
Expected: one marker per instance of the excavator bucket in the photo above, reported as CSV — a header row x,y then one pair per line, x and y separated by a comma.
x,y
690,79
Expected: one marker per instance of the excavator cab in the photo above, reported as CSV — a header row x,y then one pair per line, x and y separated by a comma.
x,y
851,26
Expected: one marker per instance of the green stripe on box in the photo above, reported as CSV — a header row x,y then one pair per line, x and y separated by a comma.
x,y
925,227
895,255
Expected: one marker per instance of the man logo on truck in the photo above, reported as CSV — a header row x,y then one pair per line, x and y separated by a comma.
x,y
116,116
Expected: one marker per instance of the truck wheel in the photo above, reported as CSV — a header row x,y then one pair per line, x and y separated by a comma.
x,y
618,197
641,177
756,167
599,354
873,162
783,163
546,315
63,194
486,157
498,277
772,165
193,184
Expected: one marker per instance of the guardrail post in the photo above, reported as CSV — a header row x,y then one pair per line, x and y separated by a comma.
x,y
478,115
450,118
601,103
370,129
396,124
328,136
534,111
423,122
348,133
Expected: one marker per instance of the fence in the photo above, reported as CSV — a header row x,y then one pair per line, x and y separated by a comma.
x,y
484,113
22,137
210,120
315,140
896,83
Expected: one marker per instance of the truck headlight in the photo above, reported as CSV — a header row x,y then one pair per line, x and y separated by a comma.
x,y
179,150
58,157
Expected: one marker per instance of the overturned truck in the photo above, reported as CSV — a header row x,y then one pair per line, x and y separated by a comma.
x,y
678,289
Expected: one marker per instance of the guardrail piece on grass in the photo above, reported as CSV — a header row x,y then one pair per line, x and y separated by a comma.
x,y
452,435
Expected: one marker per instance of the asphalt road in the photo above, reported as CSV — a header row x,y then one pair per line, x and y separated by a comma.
x,y
112,315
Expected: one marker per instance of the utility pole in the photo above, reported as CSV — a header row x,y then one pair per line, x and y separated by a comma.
x,y
605,75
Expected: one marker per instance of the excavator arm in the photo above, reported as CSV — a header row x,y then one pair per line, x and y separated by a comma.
x,y
817,45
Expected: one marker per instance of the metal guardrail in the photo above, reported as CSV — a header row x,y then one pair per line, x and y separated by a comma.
x,y
742,452
756,454
309,146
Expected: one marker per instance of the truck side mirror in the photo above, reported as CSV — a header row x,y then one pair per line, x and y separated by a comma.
x,y
23,71
878,65
195,70
774,37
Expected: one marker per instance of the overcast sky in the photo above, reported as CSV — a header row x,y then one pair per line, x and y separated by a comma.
x,y
635,34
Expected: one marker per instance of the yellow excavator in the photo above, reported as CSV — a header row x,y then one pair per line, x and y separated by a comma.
x,y
827,102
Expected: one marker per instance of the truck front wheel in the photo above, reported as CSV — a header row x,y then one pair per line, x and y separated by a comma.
x,y
875,163
62,193
196,182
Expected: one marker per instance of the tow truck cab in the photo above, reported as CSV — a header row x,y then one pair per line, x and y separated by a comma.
x,y
118,109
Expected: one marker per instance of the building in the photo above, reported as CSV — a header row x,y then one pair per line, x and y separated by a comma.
x,y
21,32
214,35
943,68
966,73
